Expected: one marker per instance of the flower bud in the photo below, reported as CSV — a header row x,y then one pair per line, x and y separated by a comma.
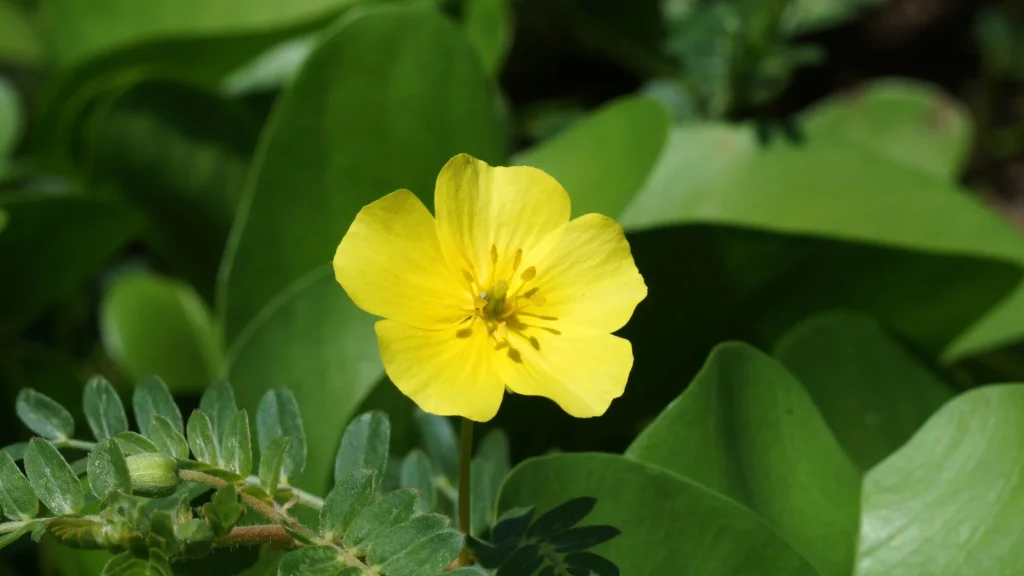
x,y
152,474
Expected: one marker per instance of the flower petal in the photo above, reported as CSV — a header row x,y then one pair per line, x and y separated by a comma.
x,y
581,370
509,208
448,372
589,277
390,264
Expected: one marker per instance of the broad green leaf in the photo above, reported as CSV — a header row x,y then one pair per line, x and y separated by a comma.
x,y
277,351
364,445
144,144
950,500
713,175
598,565
873,393
393,543
430,555
391,510
152,397
103,409
513,524
223,510
488,26
17,500
19,43
561,517
132,443
315,561
907,122
16,450
271,69
108,470
604,159
75,34
155,325
351,494
201,438
278,415
218,403
440,441
80,233
272,458
236,453
746,429
418,474
195,537
166,438
710,535
334,104
52,479
525,560
43,415
581,537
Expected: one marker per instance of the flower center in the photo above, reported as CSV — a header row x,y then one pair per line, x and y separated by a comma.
x,y
497,305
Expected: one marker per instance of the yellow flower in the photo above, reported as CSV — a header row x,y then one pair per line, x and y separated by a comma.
x,y
501,290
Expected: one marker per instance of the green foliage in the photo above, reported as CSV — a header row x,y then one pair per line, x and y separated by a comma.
x,y
53,481
278,416
103,409
272,460
44,416
364,445
177,173
236,452
152,325
17,500
151,398
108,469
552,543
201,438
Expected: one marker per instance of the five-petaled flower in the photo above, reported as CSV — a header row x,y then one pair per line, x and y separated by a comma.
x,y
501,290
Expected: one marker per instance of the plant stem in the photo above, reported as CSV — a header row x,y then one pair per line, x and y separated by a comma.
x,y
257,534
311,500
12,526
263,508
465,456
76,444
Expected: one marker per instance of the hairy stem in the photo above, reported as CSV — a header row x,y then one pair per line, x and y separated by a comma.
x,y
311,500
75,444
465,456
263,508
6,527
273,534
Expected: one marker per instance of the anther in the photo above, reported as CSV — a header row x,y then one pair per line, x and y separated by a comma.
x,y
529,274
494,254
467,276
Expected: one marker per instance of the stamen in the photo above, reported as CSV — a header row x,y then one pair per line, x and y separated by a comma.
x,y
538,299
494,254
530,293
469,277
529,274
501,331
517,260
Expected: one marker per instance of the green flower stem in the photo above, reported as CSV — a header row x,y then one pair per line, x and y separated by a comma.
x,y
75,444
465,456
